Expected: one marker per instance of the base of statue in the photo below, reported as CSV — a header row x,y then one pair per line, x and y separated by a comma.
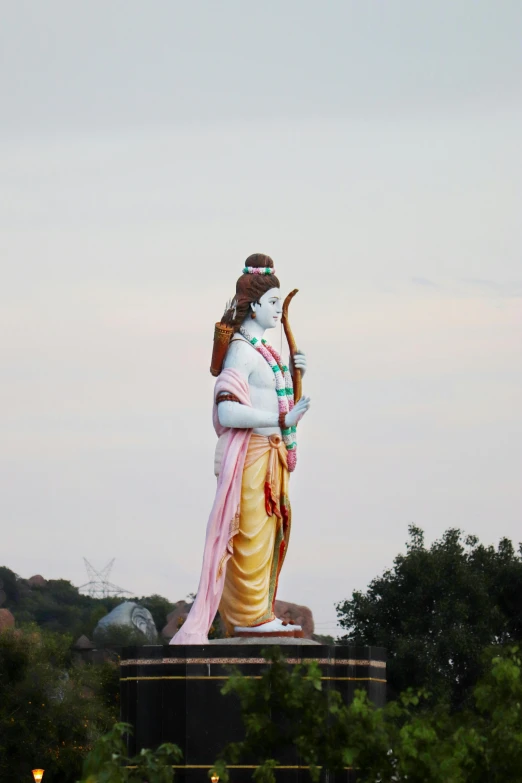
x,y
269,634
173,694
282,641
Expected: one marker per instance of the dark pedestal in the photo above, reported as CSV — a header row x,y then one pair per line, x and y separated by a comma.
x,y
172,694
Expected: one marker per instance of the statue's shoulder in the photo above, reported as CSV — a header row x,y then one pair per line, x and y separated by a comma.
x,y
240,355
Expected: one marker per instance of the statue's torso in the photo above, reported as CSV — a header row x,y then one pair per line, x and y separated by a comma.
x,y
244,358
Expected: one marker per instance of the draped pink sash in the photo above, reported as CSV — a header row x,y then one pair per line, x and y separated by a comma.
x,y
223,520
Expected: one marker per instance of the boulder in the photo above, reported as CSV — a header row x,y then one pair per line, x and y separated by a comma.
x,y
83,643
128,623
296,614
6,619
175,619
37,581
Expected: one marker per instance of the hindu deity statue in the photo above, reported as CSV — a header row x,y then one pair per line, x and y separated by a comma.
x,y
255,415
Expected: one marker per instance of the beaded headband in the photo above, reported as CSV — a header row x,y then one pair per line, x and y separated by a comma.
x,y
258,270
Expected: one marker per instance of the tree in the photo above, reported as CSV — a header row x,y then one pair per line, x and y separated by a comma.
x,y
9,584
59,606
56,606
437,609
400,742
108,761
118,636
51,709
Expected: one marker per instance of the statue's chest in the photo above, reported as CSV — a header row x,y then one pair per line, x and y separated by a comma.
x,y
262,375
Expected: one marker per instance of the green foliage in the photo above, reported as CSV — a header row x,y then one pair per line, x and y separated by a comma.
x,y
292,693
116,635
498,698
437,609
108,761
58,606
412,739
51,708
9,585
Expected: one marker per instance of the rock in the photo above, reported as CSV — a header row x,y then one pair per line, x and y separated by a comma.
x,y
6,619
175,619
37,581
83,643
296,614
299,615
128,623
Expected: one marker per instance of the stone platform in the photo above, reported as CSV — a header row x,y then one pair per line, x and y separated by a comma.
x,y
173,694
281,641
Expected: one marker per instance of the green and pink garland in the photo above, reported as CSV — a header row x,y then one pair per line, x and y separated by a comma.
x,y
284,391
258,270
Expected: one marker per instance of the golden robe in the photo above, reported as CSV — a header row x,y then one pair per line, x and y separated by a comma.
x,y
261,540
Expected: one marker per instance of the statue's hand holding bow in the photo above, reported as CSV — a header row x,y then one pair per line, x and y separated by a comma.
x,y
298,360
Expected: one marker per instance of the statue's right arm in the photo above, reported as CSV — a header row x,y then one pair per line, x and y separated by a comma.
x,y
233,414
240,357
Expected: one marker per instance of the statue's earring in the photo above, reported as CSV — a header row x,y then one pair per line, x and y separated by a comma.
x,y
252,314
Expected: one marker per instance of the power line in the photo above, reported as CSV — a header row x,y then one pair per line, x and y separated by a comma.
x,y
98,585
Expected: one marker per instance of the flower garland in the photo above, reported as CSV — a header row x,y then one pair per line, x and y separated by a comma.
x,y
284,391
258,270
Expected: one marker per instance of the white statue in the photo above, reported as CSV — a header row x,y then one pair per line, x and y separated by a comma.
x,y
255,418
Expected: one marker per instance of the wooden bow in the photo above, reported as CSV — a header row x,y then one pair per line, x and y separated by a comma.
x,y
296,374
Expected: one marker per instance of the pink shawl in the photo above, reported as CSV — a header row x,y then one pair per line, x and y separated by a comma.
x,y
223,521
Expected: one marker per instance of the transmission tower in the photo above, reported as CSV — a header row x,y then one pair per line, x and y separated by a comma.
x,y
98,585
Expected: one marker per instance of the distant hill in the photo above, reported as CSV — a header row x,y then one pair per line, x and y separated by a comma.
x,y
55,604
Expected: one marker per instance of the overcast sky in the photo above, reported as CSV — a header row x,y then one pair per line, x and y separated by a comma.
x,y
373,150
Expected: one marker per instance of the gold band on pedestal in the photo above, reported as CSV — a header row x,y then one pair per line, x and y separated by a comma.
x,y
222,336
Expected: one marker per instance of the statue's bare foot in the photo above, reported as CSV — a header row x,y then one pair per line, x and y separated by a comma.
x,y
272,626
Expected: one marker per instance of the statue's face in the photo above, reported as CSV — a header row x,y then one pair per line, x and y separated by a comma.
x,y
268,310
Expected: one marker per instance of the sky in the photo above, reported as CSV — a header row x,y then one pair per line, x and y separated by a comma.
x,y
373,150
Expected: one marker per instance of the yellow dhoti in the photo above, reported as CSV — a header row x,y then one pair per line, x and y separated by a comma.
x,y
260,543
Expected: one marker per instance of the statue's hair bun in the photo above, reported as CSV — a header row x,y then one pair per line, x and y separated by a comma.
x,y
259,260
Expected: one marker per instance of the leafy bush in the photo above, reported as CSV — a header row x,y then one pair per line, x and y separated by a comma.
x,y
437,609
108,761
59,606
116,635
52,709
414,739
